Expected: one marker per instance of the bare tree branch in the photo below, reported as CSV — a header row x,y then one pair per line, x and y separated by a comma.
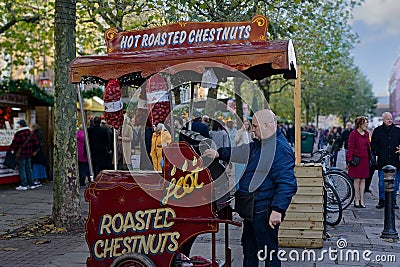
x,y
282,87
13,21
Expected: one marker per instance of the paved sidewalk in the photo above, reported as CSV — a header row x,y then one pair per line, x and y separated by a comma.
x,y
360,229
22,208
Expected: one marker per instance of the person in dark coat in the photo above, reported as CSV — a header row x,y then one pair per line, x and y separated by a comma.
x,y
38,159
345,135
198,126
99,144
385,143
269,172
335,141
359,147
25,142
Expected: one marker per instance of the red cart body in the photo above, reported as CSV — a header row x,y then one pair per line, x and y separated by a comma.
x,y
144,213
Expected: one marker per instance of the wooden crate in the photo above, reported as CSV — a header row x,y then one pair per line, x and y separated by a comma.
x,y
303,224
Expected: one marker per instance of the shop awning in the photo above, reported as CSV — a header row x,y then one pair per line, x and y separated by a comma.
x,y
92,105
257,60
35,96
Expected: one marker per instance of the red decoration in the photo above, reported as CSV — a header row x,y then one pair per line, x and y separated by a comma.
x,y
157,99
113,104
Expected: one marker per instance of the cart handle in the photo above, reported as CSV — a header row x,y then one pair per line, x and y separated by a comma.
x,y
228,201
203,220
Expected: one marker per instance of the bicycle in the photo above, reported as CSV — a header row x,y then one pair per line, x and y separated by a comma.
x,y
338,190
333,210
338,178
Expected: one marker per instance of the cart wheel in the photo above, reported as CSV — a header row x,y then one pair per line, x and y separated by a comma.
x,y
133,260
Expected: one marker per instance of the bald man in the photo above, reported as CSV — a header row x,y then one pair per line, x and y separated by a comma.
x,y
385,142
269,175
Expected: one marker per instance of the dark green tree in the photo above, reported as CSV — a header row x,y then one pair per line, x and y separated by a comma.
x,y
66,206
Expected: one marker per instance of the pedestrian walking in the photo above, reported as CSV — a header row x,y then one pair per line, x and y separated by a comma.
x,y
99,145
385,144
218,134
269,180
161,138
126,139
38,158
83,163
334,140
178,124
345,135
198,126
110,148
23,144
231,129
321,138
243,136
359,148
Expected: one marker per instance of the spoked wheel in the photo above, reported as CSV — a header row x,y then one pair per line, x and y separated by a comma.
x,y
343,185
332,207
133,260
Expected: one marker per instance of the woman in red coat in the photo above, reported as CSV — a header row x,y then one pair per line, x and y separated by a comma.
x,y
359,146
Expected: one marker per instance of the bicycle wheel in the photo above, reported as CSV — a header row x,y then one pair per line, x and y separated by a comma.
x,y
343,185
332,207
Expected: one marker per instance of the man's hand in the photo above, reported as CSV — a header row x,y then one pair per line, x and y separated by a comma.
x,y
398,149
275,219
210,153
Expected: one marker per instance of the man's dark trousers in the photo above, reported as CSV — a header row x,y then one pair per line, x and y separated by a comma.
x,y
258,234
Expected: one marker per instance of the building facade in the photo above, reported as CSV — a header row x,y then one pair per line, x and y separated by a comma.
x,y
394,89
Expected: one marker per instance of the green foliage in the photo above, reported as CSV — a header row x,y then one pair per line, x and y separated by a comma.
x,y
25,87
95,17
93,92
26,30
320,31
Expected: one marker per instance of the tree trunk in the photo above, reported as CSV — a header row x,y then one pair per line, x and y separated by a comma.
x,y
307,113
211,103
66,206
254,106
266,88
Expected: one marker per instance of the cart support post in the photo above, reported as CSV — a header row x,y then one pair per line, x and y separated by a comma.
x,y
115,149
171,114
297,117
191,104
228,252
81,87
213,256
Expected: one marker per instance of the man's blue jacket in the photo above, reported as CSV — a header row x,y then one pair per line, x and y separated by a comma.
x,y
269,170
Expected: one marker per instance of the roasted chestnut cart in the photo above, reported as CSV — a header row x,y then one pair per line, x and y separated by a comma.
x,y
143,217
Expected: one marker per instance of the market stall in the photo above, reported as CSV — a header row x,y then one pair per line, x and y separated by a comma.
x,y
21,100
157,62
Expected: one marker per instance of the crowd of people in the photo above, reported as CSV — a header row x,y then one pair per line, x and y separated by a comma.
x,y
155,137
101,146
366,151
223,133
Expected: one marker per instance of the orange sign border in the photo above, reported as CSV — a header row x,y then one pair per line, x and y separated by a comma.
x,y
187,34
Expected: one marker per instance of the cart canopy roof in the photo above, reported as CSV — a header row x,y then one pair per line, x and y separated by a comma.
x,y
253,56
